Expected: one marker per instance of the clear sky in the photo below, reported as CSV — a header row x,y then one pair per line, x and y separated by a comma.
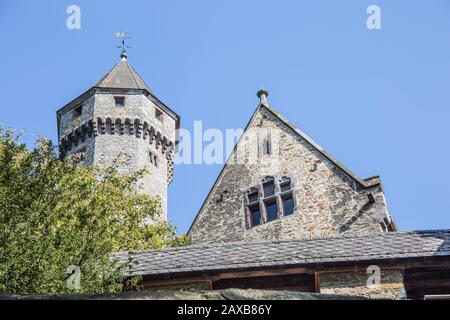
x,y
378,100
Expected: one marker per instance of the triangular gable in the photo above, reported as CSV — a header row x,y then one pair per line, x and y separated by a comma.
x,y
367,183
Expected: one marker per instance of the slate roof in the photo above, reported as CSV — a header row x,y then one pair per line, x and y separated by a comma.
x,y
123,76
289,253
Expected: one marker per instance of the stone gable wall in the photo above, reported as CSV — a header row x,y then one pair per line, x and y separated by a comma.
x,y
328,202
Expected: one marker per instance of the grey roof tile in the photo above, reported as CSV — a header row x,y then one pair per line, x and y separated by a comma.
x,y
232,256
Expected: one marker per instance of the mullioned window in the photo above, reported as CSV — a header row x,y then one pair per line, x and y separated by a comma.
x,y
270,200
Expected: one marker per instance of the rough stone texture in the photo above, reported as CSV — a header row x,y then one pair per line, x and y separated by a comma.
x,y
67,124
105,132
228,294
355,284
328,201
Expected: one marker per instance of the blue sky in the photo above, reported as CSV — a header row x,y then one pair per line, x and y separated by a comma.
x,y
378,100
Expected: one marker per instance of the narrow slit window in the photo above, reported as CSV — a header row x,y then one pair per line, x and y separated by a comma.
x,y
266,146
119,102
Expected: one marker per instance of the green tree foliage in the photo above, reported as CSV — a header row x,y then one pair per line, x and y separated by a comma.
x,y
55,214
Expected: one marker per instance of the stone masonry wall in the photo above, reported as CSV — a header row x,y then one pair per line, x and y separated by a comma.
x,y
109,147
328,202
66,124
355,284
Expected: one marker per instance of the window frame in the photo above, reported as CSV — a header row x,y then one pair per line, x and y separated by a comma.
x,y
263,201
159,115
285,197
252,191
269,202
117,99
264,142
267,145
77,112
283,181
268,180
253,208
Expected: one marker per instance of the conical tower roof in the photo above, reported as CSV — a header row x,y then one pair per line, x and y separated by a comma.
x,y
123,76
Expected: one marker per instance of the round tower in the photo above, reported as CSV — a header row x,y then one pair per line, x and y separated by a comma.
x,y
120,116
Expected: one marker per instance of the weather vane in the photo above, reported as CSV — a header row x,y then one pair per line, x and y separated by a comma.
x,y
124,36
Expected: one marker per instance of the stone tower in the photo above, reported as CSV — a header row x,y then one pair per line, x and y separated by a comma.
x,y
279,184
121,115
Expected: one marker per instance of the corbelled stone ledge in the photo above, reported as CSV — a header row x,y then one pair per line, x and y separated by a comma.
x,y
136,127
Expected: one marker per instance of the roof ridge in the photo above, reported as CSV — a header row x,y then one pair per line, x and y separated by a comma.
x,y
107,74
132,72
319,148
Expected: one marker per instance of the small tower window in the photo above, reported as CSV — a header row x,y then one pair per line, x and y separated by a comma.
x,y
119,102
264,145
159,115
76,115
153,159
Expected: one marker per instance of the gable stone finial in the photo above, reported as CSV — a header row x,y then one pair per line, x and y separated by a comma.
x,y
262,95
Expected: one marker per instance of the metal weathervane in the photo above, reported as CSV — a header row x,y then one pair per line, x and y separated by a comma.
x,y
123,36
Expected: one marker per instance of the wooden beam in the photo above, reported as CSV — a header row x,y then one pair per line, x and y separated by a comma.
x,y
317,281
261,273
